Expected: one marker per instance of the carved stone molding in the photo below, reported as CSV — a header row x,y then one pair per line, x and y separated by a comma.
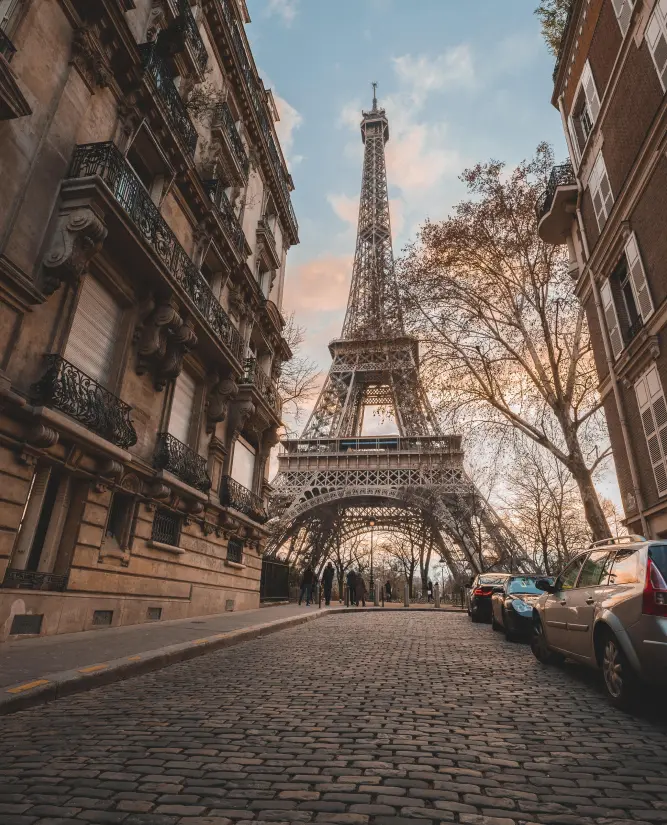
x,y
129,120
239,415
88,59
78,237
221,392
132,483
158,490
110,469
163,339
42,436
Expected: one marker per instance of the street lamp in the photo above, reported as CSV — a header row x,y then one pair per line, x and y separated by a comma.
x,y
371,524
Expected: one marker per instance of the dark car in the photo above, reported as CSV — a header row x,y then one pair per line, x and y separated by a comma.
x,y
512,607
481,590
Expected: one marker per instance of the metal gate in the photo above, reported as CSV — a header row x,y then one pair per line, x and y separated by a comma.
x,y
274,584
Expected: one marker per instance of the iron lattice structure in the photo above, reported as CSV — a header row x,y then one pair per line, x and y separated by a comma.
x,y
332,481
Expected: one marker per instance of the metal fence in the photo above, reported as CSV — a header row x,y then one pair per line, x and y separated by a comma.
x,y
274,584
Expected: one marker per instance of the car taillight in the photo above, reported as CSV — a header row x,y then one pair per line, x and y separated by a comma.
x,y
654,602
482,591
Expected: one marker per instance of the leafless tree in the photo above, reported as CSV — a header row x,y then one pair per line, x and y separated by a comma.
x,y
298,380
553,17
346,555
506,341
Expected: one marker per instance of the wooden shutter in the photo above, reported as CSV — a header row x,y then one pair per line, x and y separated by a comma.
x,y
656,37
611,318
603,197
638,278
574,140
94,331
653,411
623,9
182,405
590,92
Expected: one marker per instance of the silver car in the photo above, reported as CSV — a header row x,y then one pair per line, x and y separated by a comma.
x,y
608,609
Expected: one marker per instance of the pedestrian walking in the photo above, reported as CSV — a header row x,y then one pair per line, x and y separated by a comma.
x,y
327,582
360,590
429,590
387,590
307,581
351,586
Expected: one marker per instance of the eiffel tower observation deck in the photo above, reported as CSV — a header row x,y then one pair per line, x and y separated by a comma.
x,y
333,483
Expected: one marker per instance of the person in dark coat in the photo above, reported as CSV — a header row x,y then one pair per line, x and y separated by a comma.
x,y
307,582
327,582
387,590
352,587
360,590
429,590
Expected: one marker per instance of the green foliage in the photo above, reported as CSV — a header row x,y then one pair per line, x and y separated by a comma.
x,y
553,17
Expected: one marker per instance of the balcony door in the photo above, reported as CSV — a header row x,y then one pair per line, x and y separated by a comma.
x,y
94,332
182,406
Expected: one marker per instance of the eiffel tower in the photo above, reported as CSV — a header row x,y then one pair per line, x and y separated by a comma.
x,y
333,483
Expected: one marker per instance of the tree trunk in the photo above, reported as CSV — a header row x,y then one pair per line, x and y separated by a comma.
x,y
589,495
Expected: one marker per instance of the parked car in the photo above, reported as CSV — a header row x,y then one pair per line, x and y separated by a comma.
x,y
512,607
482,588
608,609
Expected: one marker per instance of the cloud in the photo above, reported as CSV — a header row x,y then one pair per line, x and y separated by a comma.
x,y
345,207
290,121
319,285
417,158
422,75
285,9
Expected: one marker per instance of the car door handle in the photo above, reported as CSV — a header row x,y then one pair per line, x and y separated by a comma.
x,y
590,601
563,601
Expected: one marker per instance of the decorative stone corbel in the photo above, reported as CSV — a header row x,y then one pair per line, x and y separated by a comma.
x,y
132,483
129,120
42,436
221,392
88,59
78,237
236,303
163,340
159,491
157,21
110,469
239,415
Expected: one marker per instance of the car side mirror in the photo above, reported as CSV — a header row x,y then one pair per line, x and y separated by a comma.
x,y
545,585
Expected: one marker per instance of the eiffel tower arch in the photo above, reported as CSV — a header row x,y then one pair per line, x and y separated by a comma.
x,y
333,481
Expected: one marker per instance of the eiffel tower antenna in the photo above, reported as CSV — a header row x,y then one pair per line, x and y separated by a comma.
x,y
332,478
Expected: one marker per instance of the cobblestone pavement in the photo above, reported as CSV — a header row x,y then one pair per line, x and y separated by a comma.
x,y
354,719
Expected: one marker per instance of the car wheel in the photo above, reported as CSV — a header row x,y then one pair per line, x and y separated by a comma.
x,y
494,624
541,650
620,680
509,636
475,616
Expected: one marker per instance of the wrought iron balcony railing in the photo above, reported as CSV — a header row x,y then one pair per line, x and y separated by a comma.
x,y
562,175
66,388
255,376
168,93
32,580
238,497
223,117
106,161
264,228
183,462
7,48
216,192
259,106
635,327
190,29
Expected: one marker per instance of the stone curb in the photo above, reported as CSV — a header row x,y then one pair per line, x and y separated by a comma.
x,y
54,686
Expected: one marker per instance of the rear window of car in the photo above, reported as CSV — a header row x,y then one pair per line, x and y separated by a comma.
x,y
658,553
624,567
492,579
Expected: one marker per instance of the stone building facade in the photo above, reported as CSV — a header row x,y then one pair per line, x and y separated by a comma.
x,y
610,206
145,219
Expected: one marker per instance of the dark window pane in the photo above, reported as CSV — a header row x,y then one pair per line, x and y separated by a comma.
x,y
568,577
593,569
658,554
624,567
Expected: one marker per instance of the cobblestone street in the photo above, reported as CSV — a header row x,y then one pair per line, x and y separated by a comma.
x,y
353,719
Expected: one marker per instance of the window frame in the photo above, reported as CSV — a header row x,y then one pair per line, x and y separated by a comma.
x,y
659,430
619,6
659,19
584,102
598,174
581,560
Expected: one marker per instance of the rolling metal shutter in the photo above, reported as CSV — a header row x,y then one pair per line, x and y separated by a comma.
x,y
94,331
181,407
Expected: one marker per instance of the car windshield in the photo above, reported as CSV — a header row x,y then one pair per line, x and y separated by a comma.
x,y
524,585
492,579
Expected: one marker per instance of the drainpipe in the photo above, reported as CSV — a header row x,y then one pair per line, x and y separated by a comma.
x,y
620,409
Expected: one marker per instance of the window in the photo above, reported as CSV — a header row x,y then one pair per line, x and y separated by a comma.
x,y
235,551
119,521
653,411
9,14
166,527
568,577
624,567
623,9
94,331
594,569
148,164
182,406
243,463
656,37
611,318
585,110
603,198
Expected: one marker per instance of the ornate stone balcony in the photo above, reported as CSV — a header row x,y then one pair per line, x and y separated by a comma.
x,y
255,377
237,161
268,240
216,192
105,161
66,388
240,498
555,209
177,115
177,458
33,580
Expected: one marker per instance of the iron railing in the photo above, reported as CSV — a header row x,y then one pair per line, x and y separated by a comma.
x,y
179,459
374,444
258,103
255,376
7,48
106,161
189,27
66,388
222,116
179,118
32,580
235,551
238,497
562,175
634,328
166,527
274,583
215,189
264,227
